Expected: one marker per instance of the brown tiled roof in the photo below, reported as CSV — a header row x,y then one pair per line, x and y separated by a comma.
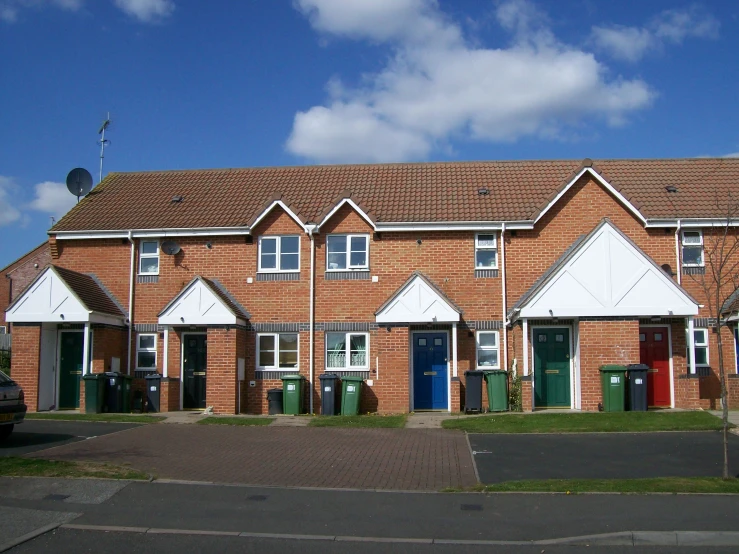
x,y
422,192
89,292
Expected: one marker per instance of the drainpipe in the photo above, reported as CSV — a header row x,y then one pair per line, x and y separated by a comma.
x,y
677,252
130,301
312,316
505,307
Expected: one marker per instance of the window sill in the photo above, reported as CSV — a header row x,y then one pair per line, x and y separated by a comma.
x,y
347,275
147,278
279,276
694,270
486,273
264,374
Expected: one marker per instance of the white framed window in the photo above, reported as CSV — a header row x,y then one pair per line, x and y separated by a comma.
x,y
347,351
700,340
488,350
692,243
279,254
149,257
277,351
3,329
146,351
347,252
486,251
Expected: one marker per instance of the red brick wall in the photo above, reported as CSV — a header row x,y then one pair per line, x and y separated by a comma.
x,y
106,344
25,361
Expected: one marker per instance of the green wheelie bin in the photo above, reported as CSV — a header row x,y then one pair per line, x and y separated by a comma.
x,y
94,392
292,394
351,393
126,382
613,382
497,385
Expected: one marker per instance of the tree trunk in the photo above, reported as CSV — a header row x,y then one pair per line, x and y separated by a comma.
x,y
724,403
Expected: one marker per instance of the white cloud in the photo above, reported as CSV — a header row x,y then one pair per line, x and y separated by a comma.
x,y
671,26
9,9
437,87
147,11
8,212
52,198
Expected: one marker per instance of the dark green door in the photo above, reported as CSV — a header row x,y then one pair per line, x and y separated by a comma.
x,y
194,364
551,367
70,369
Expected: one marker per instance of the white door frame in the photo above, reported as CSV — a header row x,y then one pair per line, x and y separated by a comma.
x,y
573,388
182,364
669,353
446,332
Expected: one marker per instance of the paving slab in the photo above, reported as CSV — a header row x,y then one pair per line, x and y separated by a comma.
x,y
387,459
18,523
72,491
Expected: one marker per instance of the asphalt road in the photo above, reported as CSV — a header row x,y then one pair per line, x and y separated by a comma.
x,y
34,435
505,457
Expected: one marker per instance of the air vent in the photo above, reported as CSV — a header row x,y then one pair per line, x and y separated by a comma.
x,y
671,188
484,191
177,198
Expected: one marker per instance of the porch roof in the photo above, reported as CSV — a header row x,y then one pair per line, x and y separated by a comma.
x,y
203,302
418,300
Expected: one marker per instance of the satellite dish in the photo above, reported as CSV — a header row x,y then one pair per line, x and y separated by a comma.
x,y
79,182
170,247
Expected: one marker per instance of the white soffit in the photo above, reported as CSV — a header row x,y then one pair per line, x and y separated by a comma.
x,y
198,305
417,302
607,276
50,300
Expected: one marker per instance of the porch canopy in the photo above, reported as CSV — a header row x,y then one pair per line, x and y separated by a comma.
x,y
203,302
604,274
59,295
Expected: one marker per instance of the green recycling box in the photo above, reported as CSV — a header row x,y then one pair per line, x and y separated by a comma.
x,y
94,392
497,385
292,394
613,382
351,392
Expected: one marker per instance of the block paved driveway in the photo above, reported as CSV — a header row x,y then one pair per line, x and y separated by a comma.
x,y
389,459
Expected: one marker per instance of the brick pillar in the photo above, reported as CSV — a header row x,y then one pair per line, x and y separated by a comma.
x,y
732,390
527,393
82,396
457,405
221,381
391,389
25,361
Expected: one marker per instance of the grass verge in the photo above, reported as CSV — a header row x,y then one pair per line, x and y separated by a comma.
x,y
587,422
378,421
248,421
110,418
12,466
675,485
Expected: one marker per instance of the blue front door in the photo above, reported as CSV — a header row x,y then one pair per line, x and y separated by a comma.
x,y
430,368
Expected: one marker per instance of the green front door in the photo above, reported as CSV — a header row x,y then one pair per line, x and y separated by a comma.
x,y
194,362
551,367
70,369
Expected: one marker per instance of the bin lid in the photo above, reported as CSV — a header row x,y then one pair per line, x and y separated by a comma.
x,y
274,391
612,368
90,376
328,376
473,372
153,376
636,367
353,379
113,374
292,378
493,371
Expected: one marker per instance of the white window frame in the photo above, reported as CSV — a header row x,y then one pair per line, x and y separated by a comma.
x,y
492,248
698,345
691,245
347,351
3,329
276,365
348,252
140,349
278,251
479,347
143,257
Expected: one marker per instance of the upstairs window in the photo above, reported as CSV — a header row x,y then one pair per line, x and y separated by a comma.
x,y
487,350
279,253
277,351
346,350
486,252
692,242
347,252
146,351
149,257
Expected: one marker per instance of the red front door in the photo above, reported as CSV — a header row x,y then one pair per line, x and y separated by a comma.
x,y
654,351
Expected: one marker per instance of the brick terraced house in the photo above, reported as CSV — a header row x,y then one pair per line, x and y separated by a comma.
x,y
404,274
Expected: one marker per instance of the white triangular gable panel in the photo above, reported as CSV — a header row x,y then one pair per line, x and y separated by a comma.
x,y
48,300
198,305
418,303
609,277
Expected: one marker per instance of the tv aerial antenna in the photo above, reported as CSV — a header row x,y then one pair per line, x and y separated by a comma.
x,y
79,182
103,143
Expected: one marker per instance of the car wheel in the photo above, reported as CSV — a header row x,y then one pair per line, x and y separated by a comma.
x,y
5,431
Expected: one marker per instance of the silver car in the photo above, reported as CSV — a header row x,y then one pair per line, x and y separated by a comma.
x,y
12,405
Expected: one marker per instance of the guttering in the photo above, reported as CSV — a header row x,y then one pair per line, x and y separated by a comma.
x,y
130,302
678,269
505,307
145,233
312,316
694,222
408,226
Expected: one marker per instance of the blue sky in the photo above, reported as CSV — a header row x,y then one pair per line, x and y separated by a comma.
x,y
194,84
